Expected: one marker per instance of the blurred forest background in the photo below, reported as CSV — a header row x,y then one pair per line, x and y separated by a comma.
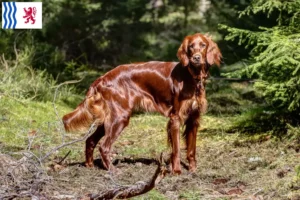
x,y
249,142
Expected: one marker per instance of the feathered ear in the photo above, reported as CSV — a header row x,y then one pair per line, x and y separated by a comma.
x,y
182,53
213,54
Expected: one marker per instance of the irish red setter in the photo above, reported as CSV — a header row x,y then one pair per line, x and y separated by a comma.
x,y
176,90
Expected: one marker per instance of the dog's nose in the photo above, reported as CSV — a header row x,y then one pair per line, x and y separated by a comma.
x,y
196,57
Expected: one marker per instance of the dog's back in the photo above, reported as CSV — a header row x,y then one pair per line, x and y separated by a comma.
x,y
133,87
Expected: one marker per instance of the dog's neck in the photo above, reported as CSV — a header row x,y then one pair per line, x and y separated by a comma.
x,y
195,72
199,74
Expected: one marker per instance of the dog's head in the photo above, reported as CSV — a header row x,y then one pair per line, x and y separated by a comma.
x,y
198,50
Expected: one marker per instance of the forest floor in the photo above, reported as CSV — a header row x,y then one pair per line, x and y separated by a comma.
x,y
231,165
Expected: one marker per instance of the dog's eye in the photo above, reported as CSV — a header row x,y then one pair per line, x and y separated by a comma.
x,y
191,46
202,45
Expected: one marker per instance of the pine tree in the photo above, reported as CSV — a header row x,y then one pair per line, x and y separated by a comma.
x,y
275,55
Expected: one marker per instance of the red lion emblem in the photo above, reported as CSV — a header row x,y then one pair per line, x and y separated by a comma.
x,y
30,14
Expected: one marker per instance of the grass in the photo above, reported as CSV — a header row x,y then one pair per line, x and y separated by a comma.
x,y
27,113
231,165
29,120
260,165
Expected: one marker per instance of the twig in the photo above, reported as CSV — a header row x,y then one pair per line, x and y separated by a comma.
x,y
258,191
138,188
30,141
32,78
64,158
13,196
3,61
56,91
54,99
91,129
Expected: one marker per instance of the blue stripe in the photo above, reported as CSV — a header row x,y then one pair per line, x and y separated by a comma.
x,y
5,11
9,15
14,15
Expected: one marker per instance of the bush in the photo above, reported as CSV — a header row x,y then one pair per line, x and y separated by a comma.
x,y
21,82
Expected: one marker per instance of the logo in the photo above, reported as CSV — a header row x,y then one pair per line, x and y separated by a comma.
x,y
21,15
30,14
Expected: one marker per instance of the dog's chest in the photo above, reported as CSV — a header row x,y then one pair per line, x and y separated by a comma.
x,y
192,99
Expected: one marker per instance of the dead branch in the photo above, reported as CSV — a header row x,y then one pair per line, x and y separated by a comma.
x,y
56,91
90,131
20,178
13,196
4,62
54,100
25,177
62,160
140,187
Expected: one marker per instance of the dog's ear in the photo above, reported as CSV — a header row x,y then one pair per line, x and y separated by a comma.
x,y
182,52
213,54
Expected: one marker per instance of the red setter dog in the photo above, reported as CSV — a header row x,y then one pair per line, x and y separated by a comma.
x,y
176,90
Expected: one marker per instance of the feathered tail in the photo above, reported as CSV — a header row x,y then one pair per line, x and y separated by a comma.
x,y
92,109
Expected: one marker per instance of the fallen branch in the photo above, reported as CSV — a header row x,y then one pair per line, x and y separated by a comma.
x,y
140,187
90,131
64,158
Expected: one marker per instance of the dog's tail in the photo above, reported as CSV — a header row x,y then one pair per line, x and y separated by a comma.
x,y
92,109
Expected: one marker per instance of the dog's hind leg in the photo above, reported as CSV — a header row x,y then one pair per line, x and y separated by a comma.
x,y
90,145
113,129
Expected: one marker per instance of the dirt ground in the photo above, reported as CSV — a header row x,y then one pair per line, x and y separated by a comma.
x,y
224,172
230,166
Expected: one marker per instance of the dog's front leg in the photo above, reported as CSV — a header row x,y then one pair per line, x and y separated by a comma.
x,y
174,137
190,134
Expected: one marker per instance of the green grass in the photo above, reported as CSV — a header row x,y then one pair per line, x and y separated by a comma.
x,y
153,195
30,120
219,154
136,139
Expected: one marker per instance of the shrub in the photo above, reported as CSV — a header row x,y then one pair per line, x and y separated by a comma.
x,y
21,82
